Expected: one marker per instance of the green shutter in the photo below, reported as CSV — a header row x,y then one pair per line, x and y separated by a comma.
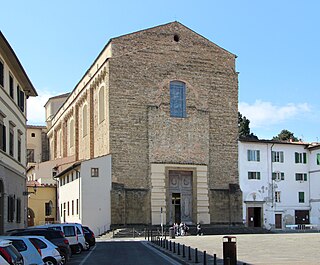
x,y
273,176
281,157
273,156
305,177
282,175
318,159
296,157
258,155
248,154
258,175
304,158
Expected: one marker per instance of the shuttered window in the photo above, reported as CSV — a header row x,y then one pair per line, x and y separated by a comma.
x,y
1,74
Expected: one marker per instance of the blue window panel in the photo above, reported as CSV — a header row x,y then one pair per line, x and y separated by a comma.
x,y
178,99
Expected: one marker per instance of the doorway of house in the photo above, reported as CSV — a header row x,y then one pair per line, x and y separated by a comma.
x,y
302,217
278,221
180,196
1,207
254,217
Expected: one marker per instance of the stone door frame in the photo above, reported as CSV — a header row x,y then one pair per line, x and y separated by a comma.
x,y
159,192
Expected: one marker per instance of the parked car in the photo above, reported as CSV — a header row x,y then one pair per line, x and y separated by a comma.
x,y
30,252
72,232
9,254
54,236
49,252
89,236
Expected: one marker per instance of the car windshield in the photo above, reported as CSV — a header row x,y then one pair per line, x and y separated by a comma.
x,y
19,245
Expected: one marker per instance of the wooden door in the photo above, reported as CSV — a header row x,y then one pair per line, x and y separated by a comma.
x,y
278,221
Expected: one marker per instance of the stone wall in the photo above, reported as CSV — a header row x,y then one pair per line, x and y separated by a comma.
x,y
141,129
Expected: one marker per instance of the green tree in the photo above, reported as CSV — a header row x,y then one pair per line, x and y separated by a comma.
x,y
243,126
285,135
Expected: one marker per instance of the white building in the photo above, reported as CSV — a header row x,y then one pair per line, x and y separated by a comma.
x,y
15,88
280,183
84,193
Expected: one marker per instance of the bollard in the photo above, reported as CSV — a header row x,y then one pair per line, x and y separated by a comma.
x,y
189,254
230,250
204,257
166,244
214,259
178,249
148,235
145,236
183,251
196,255
160,242
174,247
170,248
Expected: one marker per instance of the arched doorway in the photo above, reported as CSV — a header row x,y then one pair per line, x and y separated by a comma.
x,y
1,207
30,217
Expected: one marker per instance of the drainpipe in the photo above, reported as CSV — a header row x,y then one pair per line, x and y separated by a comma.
x,y
272,188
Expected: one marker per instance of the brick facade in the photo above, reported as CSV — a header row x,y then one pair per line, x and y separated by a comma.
x,y
137,129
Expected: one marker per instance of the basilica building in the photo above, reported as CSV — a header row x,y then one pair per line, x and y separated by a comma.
x,y
162,105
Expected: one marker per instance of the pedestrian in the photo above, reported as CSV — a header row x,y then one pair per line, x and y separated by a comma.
x,y
199,230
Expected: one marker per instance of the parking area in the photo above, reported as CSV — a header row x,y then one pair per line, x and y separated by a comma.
x,y
292,248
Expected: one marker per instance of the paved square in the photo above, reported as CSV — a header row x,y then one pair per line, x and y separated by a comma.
x,y
291,248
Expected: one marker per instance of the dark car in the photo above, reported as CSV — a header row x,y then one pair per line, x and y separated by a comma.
x,y
54,236
89,236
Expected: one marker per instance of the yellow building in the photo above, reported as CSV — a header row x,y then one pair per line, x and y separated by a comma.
x,y
41,203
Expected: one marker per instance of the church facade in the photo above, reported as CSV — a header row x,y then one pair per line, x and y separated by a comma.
x,y
163,103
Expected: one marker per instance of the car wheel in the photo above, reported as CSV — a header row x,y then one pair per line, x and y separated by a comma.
x,y
79,249
50,261
87,246
63,258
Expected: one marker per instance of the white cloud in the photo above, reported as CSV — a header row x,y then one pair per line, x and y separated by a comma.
x,y
35,108
262,113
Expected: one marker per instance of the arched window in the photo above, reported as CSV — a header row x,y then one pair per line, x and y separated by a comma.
x,y
101,104
178,99
84,120
71,133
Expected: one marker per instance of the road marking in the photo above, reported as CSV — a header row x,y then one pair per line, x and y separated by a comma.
x,y
88,255
172,261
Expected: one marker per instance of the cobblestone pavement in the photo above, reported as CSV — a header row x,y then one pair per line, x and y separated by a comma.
x,y
288,248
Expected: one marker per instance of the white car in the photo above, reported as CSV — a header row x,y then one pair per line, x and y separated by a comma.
x,y
49,252
30,253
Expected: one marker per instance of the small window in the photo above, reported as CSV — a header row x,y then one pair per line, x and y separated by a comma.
x,y
3,141
11,86
1,74
301,197
178,99
19,146
94,172
72,207
277,196
10,208
71,133
101,105
30,155
68,209
254,155
84,121
48,208
254,175
277,156
301,177
33,135
300,158
277,176
11,140
77,206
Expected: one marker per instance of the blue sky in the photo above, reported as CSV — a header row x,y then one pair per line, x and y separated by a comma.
x,y
276,43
